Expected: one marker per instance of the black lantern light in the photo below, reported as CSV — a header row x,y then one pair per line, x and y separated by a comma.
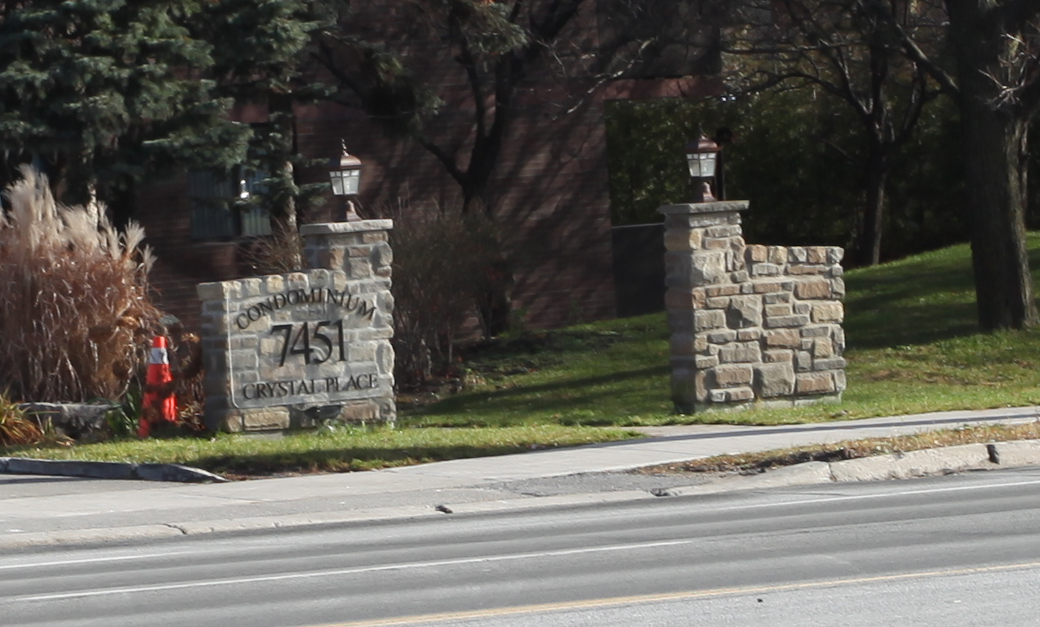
x,y
345,176
702,155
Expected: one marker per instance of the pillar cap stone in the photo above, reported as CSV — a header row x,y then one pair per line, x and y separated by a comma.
x,y
337,228
720,206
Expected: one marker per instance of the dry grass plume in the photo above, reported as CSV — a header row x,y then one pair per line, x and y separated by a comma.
x,y
75,315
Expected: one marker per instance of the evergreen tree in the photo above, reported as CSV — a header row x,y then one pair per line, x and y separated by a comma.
x,y
258,57
100,92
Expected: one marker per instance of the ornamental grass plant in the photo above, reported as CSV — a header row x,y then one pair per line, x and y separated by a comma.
x,y
75,315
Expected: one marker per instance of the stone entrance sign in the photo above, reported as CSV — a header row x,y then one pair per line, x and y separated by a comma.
x,y
291,350
749,324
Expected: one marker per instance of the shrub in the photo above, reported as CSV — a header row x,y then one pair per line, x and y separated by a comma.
x,y
15,428
441,259
74,308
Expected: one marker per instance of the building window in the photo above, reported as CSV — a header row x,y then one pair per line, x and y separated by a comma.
x,y
220,207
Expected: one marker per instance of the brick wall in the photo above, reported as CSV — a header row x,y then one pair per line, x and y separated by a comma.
x,y
549,191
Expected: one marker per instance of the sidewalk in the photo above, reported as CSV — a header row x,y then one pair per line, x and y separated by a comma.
x,y
38,511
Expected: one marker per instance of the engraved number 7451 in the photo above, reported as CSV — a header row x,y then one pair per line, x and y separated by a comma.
x,y
316,347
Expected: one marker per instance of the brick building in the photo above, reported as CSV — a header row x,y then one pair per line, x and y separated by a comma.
x,y
549,189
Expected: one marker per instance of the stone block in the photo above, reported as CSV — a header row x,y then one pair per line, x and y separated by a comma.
x,y
266,419
729,376
748,335
708,268
739,276
838,288
721,337
683,240
839,380
803,361
744,312
832,311
732,395
813,289
766,287
783,338
704,362
822,348
775,379
805,269
835,254
219,290
724,230
755,254
765,269
716,243
838,335
777,298
823,330
722,290
719,302
816,254
777,255
297,281
797,254
814,383
802,309
708,319
740,352
776,322
784,309
778,355
833,363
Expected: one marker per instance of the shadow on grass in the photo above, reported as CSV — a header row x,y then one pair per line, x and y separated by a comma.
x,y
561,396
889,326
346,459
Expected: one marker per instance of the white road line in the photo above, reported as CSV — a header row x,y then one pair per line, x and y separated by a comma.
x,y
93,560
855,497
348,571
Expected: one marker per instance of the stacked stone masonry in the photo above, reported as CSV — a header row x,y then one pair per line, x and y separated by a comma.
x,y
293,350
749,324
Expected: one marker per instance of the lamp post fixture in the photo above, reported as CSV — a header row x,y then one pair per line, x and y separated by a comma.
x,y
702,154
345,176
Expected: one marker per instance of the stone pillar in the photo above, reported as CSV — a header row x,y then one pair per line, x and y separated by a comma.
x,y
292,350
749,324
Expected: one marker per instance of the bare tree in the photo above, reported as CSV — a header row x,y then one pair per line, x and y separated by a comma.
x,y
852,54
996,83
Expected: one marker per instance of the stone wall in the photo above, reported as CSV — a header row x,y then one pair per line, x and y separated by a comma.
x,y
749,324
292,350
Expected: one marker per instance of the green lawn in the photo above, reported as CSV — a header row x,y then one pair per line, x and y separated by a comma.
x,y
912,347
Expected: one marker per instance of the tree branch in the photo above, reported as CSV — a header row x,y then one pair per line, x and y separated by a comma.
x,y
1016,14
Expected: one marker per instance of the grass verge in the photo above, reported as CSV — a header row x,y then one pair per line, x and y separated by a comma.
x,y
912,347
754,463
328,450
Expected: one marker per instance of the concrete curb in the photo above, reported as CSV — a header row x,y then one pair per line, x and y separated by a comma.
x,y
927,462
106,470
922,463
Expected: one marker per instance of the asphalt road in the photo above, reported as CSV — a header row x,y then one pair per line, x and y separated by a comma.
x,y
956,550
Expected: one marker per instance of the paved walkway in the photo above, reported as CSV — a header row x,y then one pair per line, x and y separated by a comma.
x,y
47,510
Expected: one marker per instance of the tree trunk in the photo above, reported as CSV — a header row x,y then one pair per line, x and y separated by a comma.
x,y
994,136
873,212
1003,285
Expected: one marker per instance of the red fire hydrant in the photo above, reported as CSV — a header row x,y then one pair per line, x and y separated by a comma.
x,y
159,402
